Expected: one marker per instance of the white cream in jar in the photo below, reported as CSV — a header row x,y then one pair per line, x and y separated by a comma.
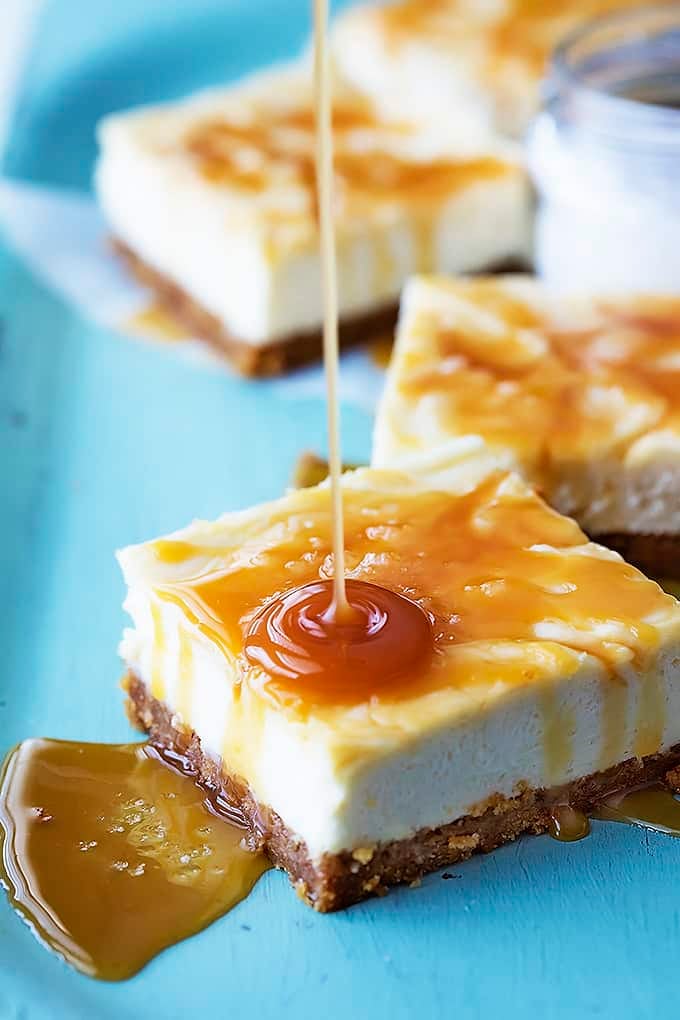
x,y
605,157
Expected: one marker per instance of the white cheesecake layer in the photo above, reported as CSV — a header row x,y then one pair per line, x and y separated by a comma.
x,y
614,464
478,64
482,747
578,696
429,72
249,255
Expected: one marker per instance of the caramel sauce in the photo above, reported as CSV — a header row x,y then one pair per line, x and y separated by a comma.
x,y
111,856
156,323
278,148
654,807
485,567
614,717
559,726
110,852
340,609
365,178
504,37
385,270
157,678
567,824
651,712
330,639
529,382
297,639
425,240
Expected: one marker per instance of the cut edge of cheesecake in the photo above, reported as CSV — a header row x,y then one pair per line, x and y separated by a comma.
x,y
276,356
248,359
211,201
339,880
404,428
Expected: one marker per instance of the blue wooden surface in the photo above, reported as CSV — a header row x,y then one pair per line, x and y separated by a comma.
x,y
105,441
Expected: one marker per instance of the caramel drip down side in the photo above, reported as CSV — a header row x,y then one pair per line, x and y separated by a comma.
x,y
558,734
157,652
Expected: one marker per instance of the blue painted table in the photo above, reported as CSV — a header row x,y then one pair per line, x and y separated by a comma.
x,y
105,441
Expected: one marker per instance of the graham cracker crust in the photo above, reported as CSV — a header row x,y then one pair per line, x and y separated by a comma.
x,y
339,880
262,361
272,358
657,555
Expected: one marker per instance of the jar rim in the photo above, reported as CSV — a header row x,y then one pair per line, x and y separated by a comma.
x,y
617,114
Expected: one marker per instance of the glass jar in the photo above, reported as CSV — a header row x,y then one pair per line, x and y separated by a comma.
x,y
605,157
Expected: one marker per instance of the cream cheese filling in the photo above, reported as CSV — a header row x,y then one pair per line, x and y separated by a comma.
x,y
215,240
385,774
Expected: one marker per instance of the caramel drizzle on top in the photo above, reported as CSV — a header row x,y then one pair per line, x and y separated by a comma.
x,y
276,146
584,389
493,565
494,35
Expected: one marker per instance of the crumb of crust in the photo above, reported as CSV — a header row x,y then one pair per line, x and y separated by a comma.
x,y
415,883
673,779
371,884
499,804
134,717
363,854
178,724
301,890
464,843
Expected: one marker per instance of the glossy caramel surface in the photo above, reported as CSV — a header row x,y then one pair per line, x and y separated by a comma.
x,y
111,856
554,381
567,824
301,639
491,567
654,807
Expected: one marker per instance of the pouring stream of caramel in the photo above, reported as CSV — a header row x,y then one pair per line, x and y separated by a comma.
x,y
324,170
375,635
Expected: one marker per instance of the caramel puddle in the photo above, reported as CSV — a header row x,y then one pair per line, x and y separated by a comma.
x,y
568,824
111,856
652,807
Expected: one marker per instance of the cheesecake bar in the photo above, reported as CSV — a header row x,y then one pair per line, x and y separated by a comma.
x,y
213,203
581,395
476,62
553,677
